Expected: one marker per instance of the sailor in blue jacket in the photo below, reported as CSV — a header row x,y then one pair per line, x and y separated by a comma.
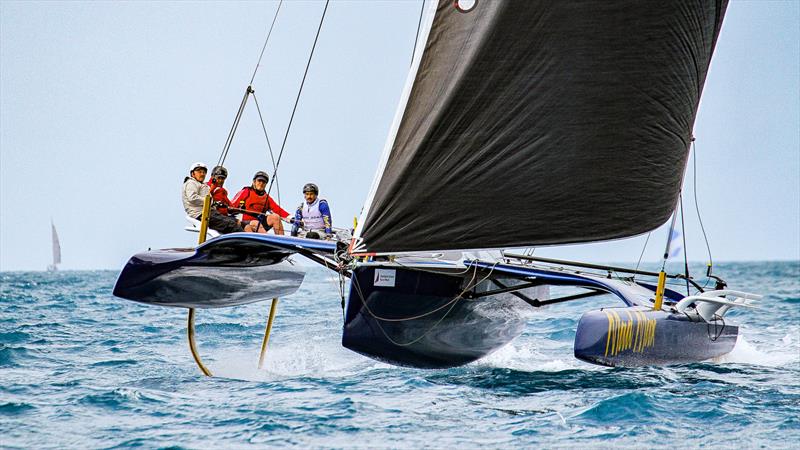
x,y
313,214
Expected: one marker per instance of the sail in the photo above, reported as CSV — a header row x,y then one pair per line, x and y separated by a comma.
x,y
539,122
56,246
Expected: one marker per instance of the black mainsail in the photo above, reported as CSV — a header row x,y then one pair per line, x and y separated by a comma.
x,y
538,123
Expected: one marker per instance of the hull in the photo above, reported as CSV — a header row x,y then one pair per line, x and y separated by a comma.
x,y
222,273
414,318
639,336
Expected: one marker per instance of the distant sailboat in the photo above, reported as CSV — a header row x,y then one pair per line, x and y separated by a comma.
x,y
56,250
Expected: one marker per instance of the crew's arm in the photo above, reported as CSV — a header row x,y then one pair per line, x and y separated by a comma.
x,y
326,215
276,208
221,196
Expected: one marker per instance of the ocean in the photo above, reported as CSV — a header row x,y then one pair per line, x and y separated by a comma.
x,y
80,368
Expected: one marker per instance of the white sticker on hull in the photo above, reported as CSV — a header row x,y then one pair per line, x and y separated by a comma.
x,y
384,277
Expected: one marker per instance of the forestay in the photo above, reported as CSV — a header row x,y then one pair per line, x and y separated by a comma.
x,y
560,122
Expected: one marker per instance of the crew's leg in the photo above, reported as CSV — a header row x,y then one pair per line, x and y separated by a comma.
x,y
222,223
274,221
254,226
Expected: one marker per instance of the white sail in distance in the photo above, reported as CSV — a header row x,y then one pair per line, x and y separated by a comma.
x,y
56,246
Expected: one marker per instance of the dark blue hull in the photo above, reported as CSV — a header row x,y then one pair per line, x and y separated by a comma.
x,y
234,269
417,318
640,336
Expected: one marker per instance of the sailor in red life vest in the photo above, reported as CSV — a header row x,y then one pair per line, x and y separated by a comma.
x,y
255,198
218,193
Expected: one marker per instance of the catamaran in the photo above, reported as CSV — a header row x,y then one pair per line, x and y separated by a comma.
x,y
521,124
561,123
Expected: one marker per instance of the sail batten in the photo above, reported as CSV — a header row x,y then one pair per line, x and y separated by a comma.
x,y
543,123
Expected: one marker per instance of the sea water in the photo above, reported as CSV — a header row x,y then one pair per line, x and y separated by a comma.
x,y
80,368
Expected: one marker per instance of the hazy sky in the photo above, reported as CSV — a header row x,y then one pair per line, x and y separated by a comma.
x,y
104,105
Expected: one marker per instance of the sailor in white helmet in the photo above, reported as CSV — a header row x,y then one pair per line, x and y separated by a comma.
x,y
194,193
313,214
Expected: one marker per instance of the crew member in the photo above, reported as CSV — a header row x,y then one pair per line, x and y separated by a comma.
x,y
254,198
218,192
194,193
314,214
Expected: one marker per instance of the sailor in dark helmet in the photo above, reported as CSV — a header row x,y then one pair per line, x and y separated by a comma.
x,y
218,192
314,214
193,195
254,198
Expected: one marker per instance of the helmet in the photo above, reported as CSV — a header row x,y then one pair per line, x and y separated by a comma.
x,y
197,165
311,187
219,171
261,175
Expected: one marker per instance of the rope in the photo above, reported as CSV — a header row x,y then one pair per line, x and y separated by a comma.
x,y
269,33
717,328
669,239
452,303
297,99
269,146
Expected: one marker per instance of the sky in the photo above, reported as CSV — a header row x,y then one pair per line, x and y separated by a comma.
x,y
104,105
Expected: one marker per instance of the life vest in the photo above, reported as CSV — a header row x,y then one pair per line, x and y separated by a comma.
x,y
313,219
253,202
220,194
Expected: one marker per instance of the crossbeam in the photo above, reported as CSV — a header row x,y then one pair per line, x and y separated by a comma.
x,y
503,289
598,267
535,302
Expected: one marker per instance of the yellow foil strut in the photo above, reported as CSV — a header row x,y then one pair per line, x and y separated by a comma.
x,y
267,332
192,347
190,321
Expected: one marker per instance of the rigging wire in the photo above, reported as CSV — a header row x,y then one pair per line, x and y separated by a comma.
x,y
269,146
642,254
269,33
685,250
297,99
696,207
416,36
226,148
234,126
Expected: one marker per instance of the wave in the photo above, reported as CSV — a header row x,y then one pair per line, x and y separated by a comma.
x,y
782,354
